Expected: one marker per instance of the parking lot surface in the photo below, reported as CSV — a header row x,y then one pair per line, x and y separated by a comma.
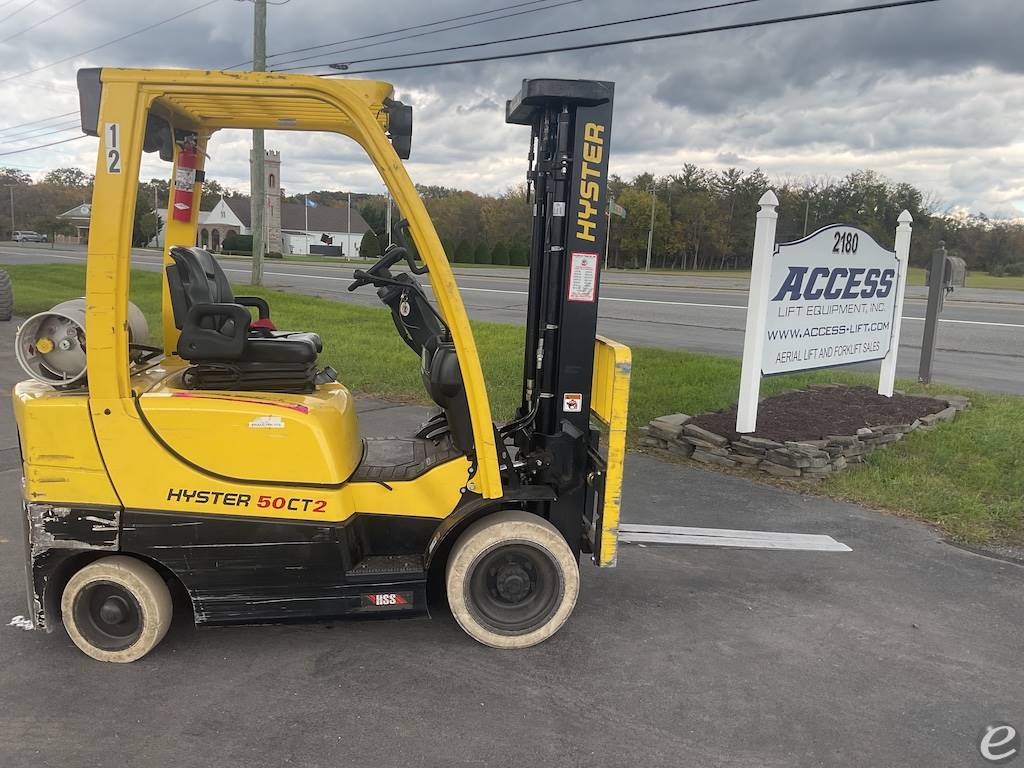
x,y
895,654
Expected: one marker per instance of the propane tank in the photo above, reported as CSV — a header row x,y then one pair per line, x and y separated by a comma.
x,y
50,346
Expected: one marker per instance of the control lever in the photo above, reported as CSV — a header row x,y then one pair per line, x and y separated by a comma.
x,y
361,279
401,232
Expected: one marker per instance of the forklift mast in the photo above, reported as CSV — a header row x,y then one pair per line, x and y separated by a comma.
x,y
570,122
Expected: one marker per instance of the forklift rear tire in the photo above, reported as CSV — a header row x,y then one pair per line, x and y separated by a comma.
x,y
6,296
512,580
116,609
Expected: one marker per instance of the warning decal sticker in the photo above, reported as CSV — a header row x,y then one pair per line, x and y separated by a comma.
x,y
583,277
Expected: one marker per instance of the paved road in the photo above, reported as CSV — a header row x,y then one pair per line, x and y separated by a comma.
x,y
981,338
895,654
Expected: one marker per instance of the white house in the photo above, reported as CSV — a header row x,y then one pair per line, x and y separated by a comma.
x,y
79,217
225,219
332,231
290,228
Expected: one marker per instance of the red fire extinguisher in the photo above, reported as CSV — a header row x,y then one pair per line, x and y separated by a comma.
x,y
185,181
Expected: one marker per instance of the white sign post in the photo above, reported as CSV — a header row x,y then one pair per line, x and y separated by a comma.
x,y
903,230
832,298
757,303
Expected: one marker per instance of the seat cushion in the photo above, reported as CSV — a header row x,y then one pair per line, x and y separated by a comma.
x,y
297,348
313,338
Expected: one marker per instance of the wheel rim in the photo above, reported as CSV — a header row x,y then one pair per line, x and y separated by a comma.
x,y
514,588
108,616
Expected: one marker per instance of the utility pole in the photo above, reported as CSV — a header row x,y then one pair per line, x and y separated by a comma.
x,y
387,219
258,175
650,233
608,230
11,187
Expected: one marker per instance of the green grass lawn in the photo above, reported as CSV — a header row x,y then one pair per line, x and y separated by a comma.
x,y
966,476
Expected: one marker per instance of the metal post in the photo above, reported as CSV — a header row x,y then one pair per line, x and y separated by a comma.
x,y
348,231
258,175
11,187
807,210
931,318
650,232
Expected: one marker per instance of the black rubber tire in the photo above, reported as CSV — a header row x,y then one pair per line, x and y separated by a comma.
x,y
134,583
6,296
522,532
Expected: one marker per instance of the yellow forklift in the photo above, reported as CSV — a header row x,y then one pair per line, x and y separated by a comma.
x,y
141,469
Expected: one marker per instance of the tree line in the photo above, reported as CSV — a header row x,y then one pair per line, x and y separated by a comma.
x,y
703,219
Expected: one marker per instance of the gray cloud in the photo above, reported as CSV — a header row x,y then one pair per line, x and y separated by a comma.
x,y
931,95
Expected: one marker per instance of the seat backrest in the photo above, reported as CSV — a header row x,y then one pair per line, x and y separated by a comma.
x,y
442,378
195,277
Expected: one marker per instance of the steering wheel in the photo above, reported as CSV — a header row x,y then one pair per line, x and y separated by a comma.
x,y
380,273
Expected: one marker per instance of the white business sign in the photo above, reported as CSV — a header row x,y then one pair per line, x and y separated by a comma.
x,y
832,298
831,301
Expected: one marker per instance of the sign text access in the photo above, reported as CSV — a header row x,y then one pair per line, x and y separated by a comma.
x,y
831,301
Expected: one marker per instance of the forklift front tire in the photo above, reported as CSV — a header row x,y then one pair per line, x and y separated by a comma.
x,y
512,580
116,609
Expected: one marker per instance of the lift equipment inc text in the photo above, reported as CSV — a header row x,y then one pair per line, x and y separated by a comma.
x,y
831,301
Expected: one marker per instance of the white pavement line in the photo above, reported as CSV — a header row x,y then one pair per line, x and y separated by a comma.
x,y
971,322
724,537
308,276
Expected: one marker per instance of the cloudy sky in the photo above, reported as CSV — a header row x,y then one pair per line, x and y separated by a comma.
x,y
930,94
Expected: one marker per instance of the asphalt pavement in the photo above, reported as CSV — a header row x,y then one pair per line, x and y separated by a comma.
x,y
894,654
980,340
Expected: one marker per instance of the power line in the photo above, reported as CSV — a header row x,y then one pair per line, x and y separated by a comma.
x,y
364,37
110,42
40,120
421,34
641,39
33,136
390,32
43,146
549,34
43,21
44,85
15,13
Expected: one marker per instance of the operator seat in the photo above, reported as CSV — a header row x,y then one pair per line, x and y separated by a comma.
x,y
218,336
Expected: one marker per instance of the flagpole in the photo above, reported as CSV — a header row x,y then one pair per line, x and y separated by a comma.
x,y
305,206
608,231
348,234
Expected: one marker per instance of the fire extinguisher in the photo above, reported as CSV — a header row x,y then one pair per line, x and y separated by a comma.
x,y
185,181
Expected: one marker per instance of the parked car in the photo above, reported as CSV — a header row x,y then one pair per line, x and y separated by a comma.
x,y
28,236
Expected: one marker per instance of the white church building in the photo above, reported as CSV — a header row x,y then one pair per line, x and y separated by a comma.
x,y
290,228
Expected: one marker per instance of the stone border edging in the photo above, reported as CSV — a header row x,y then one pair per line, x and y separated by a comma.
x,y
807,459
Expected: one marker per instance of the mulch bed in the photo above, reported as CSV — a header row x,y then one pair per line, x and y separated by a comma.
x,y
820,411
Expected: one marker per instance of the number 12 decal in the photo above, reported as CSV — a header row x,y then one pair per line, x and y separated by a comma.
x,y
112,137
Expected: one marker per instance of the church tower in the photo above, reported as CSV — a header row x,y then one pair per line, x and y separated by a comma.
x,y
272,209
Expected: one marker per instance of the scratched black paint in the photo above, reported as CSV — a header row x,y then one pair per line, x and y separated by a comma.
x,y
241,570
